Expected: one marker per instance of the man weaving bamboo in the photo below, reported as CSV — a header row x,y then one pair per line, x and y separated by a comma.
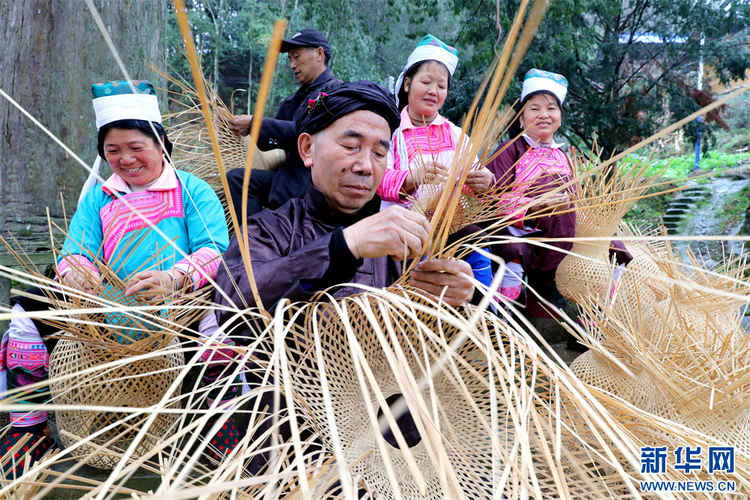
x,y
336,234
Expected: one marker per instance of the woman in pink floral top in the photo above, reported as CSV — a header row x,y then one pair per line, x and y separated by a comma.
x,y
424,146
531,165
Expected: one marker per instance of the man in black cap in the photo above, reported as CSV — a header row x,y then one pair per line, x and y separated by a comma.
x,y
309,54
336,234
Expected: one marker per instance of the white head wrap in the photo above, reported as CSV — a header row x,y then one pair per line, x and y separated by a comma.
x,y
429,49
536,80
126,107
119,102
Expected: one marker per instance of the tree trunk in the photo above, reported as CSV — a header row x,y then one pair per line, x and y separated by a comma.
x,y
217,47
52,53
250,81
218,20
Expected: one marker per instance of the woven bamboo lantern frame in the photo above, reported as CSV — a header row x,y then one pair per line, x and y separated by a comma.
x,y
689,348
78,378
603,198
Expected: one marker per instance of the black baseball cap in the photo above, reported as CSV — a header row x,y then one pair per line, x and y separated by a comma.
x,y
307,38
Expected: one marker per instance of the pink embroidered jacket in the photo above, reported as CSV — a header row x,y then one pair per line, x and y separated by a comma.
x,y
439,141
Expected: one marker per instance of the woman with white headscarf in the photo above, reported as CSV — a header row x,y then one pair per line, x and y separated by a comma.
x,y
425,144
114,226
531,164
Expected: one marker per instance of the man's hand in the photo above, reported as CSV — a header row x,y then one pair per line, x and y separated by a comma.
x,y
153,281
241,123
431,277
549,205
480,180
396,232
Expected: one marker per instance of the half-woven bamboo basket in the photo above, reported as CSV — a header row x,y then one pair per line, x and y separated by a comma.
x,y
82,375
601,200
193,151
689,348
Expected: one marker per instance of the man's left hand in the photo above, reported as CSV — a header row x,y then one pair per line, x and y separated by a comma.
x,y
241,123
431,277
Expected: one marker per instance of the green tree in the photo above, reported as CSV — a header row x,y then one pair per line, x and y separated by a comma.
x,y
231,37
626,61
369,40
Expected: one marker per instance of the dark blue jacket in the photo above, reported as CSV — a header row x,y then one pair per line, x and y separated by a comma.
x,y
279,133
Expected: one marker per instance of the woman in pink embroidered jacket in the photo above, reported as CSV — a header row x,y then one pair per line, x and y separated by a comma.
x,y
535,164
425,135
424,146
114,224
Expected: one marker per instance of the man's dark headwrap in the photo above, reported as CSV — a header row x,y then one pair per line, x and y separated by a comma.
x,y
327,107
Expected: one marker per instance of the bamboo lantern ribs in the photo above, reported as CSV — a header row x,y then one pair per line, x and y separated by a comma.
x,y
604,196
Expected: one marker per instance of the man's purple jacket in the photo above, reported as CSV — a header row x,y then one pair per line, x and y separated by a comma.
x,y
295,251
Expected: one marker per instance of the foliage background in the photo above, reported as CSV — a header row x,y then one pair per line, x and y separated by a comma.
x,y
632,64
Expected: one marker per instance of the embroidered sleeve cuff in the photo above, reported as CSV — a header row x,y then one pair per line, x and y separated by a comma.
x,y
200,266
390,186
76,261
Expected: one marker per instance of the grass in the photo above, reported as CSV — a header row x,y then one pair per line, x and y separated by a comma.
x,y
679,167
674,168
734,208
18,284
648,210
737,137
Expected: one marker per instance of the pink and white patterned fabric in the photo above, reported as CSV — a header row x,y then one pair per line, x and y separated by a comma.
x,y
512,282
537,163
439,141
200,266
79,262
120,218
23,361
